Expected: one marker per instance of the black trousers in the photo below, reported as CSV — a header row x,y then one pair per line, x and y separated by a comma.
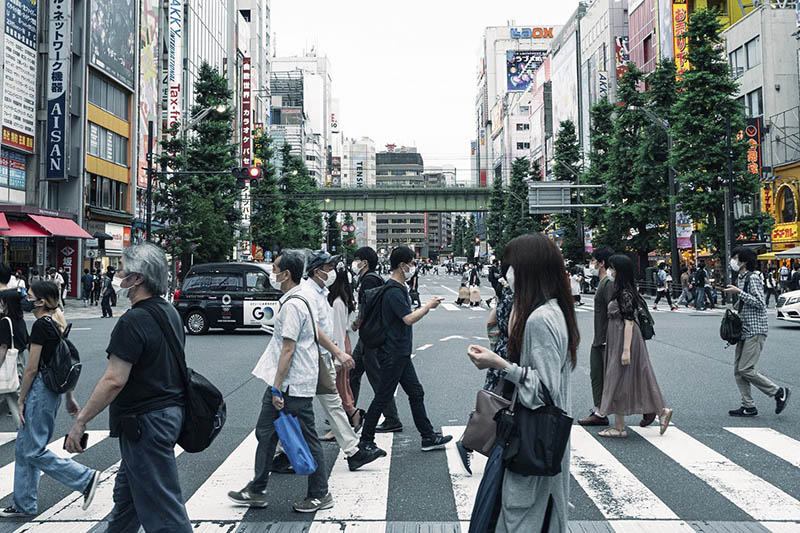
x,y
105,304
659,294
366,360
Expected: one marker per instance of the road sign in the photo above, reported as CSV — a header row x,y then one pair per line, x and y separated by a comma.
x,y
345,228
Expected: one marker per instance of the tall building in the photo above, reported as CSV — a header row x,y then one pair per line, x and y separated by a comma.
x,y
401,167
438,226
288,121
358,170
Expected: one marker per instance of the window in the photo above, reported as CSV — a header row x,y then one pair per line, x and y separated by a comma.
x,y
524,109
737,61
107,145
647,48
523,146
107,193
755,103
256,281
213,281
753,52
107,96
523,126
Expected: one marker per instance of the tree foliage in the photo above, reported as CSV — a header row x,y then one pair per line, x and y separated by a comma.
x,y
350,249
267,221
567,167
304,229
459,237
496,217
333,234
601,136
516,218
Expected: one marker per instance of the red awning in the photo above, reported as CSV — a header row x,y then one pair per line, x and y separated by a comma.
x,y
24,228
61,227
4,222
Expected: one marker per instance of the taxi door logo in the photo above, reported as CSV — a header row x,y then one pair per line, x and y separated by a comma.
x,y
260,312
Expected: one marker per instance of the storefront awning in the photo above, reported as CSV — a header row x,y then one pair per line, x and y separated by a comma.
x,y
770,256
24,228
61,227
4,223
792,253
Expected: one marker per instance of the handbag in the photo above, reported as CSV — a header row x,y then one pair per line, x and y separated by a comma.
x,y
730,329
291,436
325,383
481,431
534,440
9,377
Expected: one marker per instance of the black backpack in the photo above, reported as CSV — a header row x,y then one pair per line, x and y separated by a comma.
x,y
61,374
373,329
730,329
644,319
205,410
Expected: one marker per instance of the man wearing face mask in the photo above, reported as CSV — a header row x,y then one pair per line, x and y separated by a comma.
x,y
395,355
753,312
320,269
144,389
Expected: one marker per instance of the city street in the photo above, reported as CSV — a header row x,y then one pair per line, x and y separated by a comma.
x,y
709,472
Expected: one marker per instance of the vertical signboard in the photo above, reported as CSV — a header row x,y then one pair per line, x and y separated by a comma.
x,y
336,171
12,170
602,84
69,264
19,75
684,229
174,77
247,125
622,54
752,135
148,82
680,20
58,78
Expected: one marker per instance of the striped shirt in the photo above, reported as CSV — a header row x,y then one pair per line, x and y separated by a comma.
x,y
754,308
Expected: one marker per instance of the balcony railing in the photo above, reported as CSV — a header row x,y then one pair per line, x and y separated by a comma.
x,y
784,137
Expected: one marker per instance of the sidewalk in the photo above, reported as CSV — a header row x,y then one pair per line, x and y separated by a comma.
x,y
74,309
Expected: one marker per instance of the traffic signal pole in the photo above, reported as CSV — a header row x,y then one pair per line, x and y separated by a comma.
x,y
149,224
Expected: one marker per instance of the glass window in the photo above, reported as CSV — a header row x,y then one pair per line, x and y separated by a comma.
x,y
737,61
753,52
105,201
755,103
257,281
108,96
213,281
93,185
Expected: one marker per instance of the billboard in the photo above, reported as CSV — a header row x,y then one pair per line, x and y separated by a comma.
x,y
623,54
174,75
148,81
684,229
752,134
12,170
247,119
112,39
564,77
59,59
19,75
336,171
520,67
680,20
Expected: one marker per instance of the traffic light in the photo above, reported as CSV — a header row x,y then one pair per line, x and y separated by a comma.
x,y
477,240
352,242
243,174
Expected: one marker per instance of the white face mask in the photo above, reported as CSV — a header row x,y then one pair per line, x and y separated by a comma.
x,y
610,273
356,267
273,281
116,284
410,273
510,277
330,279
735,265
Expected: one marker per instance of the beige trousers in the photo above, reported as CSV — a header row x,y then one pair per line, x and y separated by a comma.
x,y
331,405
748,352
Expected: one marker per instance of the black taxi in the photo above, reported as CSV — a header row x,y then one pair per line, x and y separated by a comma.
x,y
227,296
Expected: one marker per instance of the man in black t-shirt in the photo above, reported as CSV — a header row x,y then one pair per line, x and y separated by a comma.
x,y
395,355
143,385
366,359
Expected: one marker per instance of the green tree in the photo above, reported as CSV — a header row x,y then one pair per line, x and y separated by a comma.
x,y
567,163
517,219
333,234
266,224
459,229
173,195
496,218
705,106
305,227
601,135
350,249
469,236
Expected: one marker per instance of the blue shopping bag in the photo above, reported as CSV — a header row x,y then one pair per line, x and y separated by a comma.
x,y
486,510
295,446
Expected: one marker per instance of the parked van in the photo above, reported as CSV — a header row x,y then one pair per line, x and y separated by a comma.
x,y
227,296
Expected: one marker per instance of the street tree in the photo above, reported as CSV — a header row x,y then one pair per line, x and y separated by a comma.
x,y
304,229
516,219
350,249
496,217
567,167
267,221
601,135
333,234
173,196
706,105
459,229
470,235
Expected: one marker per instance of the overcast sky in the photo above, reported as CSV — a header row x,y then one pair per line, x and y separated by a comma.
x,y
405,72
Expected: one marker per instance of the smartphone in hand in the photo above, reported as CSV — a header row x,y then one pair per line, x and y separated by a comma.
x,y
84,441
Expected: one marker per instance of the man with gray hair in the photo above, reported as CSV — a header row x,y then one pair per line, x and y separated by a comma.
x,y
144,388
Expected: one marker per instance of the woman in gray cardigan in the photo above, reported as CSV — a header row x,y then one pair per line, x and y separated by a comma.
x,y
543,341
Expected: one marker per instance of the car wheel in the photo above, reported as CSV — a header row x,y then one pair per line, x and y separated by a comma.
x,y
196,323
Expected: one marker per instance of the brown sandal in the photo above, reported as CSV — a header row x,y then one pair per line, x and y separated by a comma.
x,y
614,433
666,416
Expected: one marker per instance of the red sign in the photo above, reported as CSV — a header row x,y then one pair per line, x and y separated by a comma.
x,y
17,139
680,21
247,153
752,134
69,264
126,236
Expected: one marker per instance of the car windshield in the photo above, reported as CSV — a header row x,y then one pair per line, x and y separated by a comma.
x,y
212,281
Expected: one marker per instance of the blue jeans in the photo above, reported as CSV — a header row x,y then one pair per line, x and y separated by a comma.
x,y
147,491
31,454
700,299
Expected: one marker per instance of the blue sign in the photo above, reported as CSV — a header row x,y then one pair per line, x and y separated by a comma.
x,y
21,21
57,82
531,33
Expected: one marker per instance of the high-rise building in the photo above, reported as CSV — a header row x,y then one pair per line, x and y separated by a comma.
x,y
358,171
401,167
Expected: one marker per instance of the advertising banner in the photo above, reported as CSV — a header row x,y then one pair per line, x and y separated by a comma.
x,y
19,75
683,225
752,134
623,54
767,200
58,78
587,241
680,20
336,171
247,124
117,241
245,205
12,170
174,74
602,84
112,39
520,67
358,169
148,83
69,264
261,312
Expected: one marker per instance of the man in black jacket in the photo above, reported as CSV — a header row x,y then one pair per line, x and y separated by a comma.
x,y
364,266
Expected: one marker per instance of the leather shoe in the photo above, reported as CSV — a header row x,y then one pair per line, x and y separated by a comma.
x,y
647,419
389,427
594,420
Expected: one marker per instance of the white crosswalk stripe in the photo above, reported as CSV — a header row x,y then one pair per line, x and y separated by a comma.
x,y
363,498
7,436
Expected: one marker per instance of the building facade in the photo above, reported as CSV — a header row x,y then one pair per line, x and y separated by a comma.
x,y
358,170
401,168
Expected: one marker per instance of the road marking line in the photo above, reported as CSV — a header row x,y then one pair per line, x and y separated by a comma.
x,y
445,287
649,526
772,441
782,527
363,494
424,347
753,495
615,491
452,337
349,527
465,487
450,307
481,338
7,436
57,447
81,329
57,527
215,527
210,501
70,508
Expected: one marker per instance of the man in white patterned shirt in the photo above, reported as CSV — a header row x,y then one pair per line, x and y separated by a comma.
x,y
753,312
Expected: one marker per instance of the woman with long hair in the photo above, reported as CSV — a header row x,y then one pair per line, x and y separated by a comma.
x,y
38,406
340,297
13,333
630,385
542,349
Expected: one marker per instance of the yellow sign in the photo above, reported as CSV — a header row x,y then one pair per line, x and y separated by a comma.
x,y
786,232
680,19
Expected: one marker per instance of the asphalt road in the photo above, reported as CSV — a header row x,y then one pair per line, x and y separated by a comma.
x,y
698,473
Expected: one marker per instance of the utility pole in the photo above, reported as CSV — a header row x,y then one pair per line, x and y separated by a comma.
x,y
728,207
149,225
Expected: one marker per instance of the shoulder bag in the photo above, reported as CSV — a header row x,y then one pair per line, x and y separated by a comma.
x,y
481,431
730,330
205,410
325,383
9,377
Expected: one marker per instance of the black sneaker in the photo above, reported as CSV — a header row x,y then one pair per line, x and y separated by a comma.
x,y
13,512
367,452
312,505
744,411
466,457
436,442
91,488
281,465
248,498
389,427
781,399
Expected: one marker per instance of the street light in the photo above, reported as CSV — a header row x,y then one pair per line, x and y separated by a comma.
x,y
673,234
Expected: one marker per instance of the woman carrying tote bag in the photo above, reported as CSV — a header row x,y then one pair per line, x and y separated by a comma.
x,y
543,341
13,338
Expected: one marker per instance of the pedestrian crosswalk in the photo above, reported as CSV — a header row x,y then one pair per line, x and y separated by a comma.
x,y
607,478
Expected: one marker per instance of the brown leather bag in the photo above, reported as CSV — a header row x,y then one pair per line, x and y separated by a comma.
x,y
481,428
